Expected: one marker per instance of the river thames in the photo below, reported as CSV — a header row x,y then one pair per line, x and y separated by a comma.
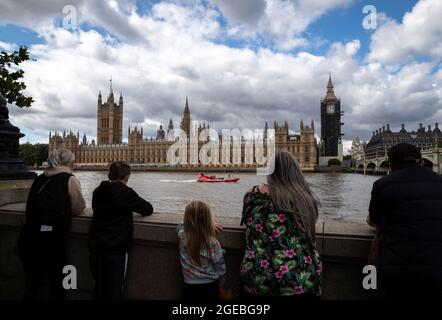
x,y
343,196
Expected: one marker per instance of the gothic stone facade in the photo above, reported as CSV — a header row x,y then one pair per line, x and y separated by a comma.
x,y
153,151
383,139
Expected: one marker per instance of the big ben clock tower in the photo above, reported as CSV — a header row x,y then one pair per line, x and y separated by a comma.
x,y
331,145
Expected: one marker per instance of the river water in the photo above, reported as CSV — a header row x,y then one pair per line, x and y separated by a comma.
x,y
343,196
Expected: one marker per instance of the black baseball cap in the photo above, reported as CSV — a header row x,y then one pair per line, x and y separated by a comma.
x,y
404,154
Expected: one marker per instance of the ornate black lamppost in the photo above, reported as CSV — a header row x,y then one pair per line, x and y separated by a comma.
x,y
11,167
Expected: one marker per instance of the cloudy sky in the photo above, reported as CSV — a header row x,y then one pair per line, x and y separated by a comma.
x,y
240,62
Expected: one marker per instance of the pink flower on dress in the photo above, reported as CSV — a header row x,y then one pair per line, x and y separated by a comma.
x,y
279,274
281,218
250,254
284,269
318,270
243,269
276,233
290,253
249,221
298,290
258,227
308,260
264,264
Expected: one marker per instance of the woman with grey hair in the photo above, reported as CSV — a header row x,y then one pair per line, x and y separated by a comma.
x,y
55,196
281,259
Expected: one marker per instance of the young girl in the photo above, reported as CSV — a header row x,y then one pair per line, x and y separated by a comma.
x,y
201,256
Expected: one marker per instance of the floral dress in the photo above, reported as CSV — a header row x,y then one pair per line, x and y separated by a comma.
x,y
280,259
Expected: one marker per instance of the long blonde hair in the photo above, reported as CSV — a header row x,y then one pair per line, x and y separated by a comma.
x,y
290,191
199,230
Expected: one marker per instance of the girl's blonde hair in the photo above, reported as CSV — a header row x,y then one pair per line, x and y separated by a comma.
x,y
199,230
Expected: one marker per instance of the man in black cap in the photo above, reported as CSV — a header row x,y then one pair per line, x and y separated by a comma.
x,y
406,209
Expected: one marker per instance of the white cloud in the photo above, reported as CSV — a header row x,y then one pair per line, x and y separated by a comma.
x,y
172,53
280,22
7,46
419,34
31,13
247,12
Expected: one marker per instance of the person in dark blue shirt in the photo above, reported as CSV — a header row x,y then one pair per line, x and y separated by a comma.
x,y
406,209
110,234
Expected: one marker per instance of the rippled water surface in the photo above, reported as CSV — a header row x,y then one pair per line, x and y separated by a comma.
x,y
343,196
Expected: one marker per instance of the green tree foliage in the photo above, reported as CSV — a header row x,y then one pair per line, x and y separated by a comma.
x,y
32,154
334,162
28,154
42,152
11,86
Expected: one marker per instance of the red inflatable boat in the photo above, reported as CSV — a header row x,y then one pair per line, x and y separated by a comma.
x,y
203,178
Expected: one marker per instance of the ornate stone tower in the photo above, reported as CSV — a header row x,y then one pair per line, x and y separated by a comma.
x,y
71,141
161,134
185,122
110,119
330,122
135,136
170,126
281,134
307,147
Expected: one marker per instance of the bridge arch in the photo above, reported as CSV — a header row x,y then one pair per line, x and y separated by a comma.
x,y
371,167
361,168
384,166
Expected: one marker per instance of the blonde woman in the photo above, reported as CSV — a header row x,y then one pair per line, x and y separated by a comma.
x,y
281,259
55,196
201,255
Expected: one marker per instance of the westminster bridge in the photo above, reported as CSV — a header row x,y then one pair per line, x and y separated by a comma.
x,y
379,165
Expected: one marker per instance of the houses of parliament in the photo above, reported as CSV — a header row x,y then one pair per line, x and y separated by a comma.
x,y
109,145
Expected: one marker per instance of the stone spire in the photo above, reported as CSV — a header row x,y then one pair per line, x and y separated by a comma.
x,y
266,129
121,98
170,125
99,98
185,122
186,108
111,92
330,83
330,95
403,129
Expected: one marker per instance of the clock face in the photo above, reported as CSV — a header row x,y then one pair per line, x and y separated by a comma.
x,y
331,108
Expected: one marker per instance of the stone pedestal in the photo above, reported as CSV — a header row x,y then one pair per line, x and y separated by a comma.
x,y
11,167
14,191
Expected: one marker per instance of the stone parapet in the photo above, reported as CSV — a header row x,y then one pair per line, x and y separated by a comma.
x,y
154,269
